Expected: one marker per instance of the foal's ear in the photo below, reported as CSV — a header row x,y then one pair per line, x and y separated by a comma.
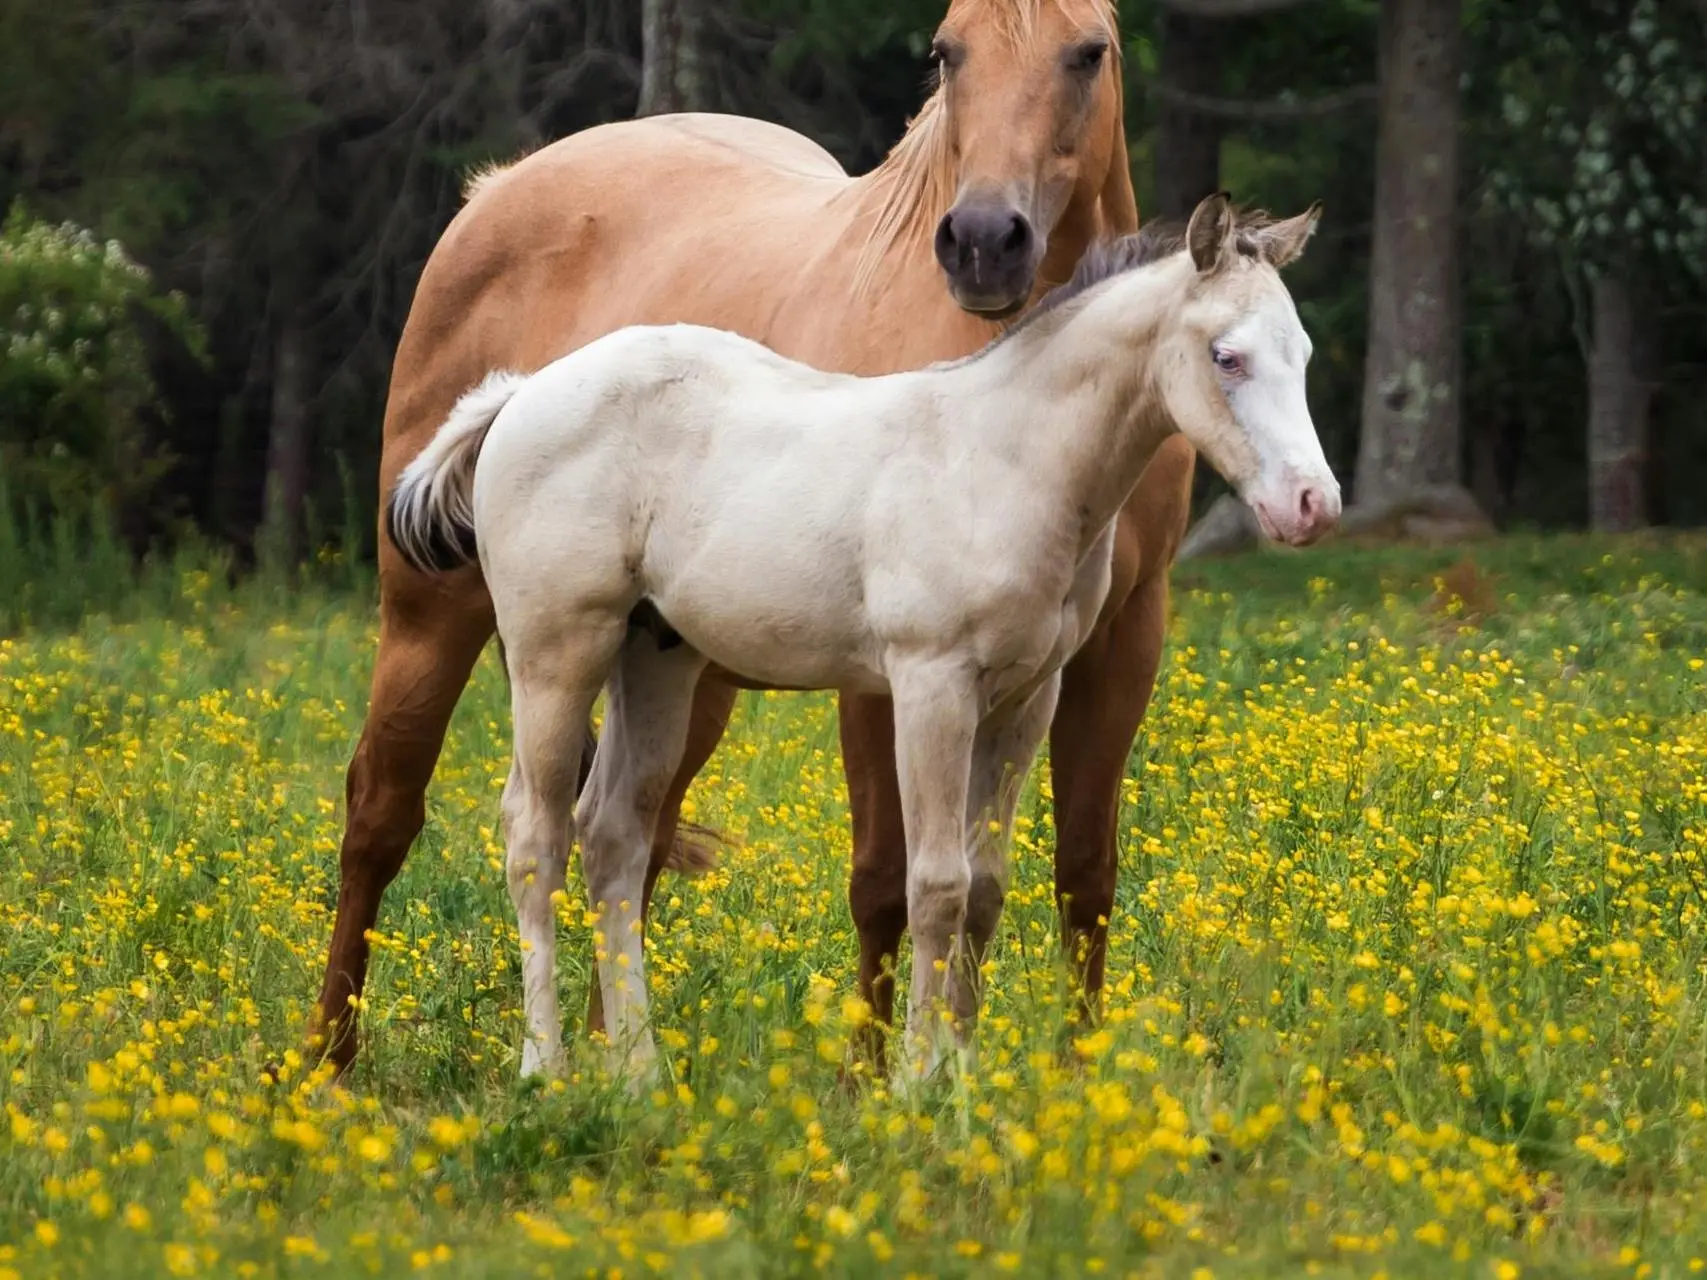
x,y
1281,243
1209,234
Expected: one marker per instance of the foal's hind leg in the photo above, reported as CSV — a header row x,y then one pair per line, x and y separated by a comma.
x,y
552,689
647,715
713,701
1002,756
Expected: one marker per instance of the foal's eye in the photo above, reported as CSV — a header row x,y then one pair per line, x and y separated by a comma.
x,y
1228,361
945,55
1087,57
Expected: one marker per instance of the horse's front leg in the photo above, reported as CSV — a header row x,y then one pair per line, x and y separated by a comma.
x,y
648,710
936,719
1002,755
877,887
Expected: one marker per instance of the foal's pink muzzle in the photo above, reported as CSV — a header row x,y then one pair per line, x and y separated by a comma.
x,y
1298,512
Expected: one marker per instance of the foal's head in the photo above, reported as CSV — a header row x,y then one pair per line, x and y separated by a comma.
x,y
1030,106
1232,359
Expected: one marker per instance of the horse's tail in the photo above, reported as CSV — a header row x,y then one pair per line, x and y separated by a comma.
x,y
430,514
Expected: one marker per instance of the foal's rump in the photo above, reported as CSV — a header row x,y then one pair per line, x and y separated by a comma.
x,y
683,465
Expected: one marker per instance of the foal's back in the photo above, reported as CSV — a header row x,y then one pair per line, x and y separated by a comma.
x,y
748,496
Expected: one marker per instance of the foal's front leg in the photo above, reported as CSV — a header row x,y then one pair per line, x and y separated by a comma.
x,y
936,718
1002,755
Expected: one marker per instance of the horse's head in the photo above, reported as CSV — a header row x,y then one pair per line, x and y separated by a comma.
x,y
1031,96
1234,370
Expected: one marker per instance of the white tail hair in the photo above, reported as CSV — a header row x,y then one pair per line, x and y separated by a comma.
x,y
430,515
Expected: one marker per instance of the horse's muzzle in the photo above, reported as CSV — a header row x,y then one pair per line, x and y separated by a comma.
x,y
989,253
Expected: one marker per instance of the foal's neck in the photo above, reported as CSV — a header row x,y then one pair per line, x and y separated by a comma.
x,y
1080,392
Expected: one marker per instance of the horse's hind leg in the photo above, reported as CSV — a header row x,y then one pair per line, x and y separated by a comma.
x,y
648,710
553,683
1002,756
431,631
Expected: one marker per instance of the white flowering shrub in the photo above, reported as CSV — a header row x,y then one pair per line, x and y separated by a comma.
x,y
75,382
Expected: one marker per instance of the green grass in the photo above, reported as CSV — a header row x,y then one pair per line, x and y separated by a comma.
x,y
1406,970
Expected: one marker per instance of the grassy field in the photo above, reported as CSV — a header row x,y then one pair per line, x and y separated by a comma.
x,y
1407,973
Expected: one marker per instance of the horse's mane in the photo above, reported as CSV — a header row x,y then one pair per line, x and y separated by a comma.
x,y
479,176
917,177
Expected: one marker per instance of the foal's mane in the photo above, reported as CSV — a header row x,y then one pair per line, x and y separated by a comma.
x,y
917,178
1157,239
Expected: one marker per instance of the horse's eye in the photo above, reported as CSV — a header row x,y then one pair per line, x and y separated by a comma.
x,y
1087,57
1228,362
945,56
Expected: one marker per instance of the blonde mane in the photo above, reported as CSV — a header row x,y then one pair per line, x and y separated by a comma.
x,y
478,177
917,178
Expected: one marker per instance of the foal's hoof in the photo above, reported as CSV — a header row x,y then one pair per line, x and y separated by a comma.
x,y
544,1062
927,1065
636,1067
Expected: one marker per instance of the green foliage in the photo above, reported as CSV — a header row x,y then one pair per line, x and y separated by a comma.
x,y
75,383
1604,103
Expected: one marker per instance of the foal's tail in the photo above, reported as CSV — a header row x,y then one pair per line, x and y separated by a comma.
x,y
430,515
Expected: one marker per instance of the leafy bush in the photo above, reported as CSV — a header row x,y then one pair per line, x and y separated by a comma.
x,y
75,383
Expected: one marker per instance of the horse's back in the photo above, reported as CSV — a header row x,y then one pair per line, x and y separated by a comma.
x,y
582,237
644,143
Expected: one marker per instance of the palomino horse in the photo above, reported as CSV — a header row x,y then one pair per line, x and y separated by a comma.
x,y
1015,164
943,537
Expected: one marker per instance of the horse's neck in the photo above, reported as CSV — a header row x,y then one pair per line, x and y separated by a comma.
x,y
1084,410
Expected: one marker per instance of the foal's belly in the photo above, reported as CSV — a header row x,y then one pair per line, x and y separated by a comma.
x,y
762,644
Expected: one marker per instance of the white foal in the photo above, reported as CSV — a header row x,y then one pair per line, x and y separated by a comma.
x,y
666,497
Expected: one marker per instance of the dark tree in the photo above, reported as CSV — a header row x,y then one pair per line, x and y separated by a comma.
x,y
1411,440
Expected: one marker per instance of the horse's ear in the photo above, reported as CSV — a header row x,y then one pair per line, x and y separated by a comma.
x,y
1282,242
1209,234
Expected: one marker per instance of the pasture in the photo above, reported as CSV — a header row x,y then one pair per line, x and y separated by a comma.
x,y
1406,975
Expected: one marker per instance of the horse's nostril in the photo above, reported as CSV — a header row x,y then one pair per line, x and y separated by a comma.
x,y
1019,234
945,243
1308,504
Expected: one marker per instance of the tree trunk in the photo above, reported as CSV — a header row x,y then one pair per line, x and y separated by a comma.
x,y
1410,386
673,72
1621,387
289,436
1188,141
